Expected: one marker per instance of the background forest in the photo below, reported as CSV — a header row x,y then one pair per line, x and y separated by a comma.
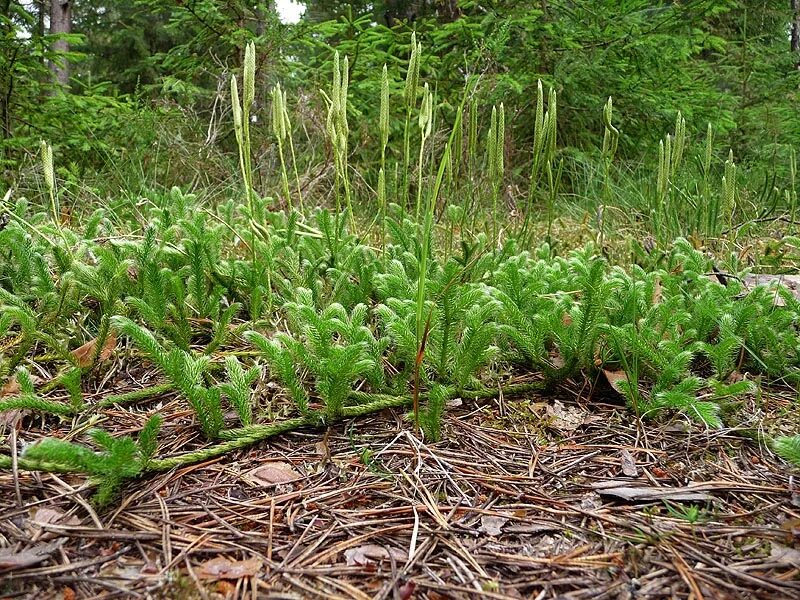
x,y
134,95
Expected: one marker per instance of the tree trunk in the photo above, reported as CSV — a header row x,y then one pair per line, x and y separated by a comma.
x,y
7,59
60,22
41,11
448,10
795,37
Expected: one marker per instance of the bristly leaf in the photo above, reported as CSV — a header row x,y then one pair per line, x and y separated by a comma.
x,y
148,438
788,448
237,388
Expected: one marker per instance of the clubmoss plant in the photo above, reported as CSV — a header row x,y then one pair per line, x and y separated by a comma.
x,y
184,371
119,459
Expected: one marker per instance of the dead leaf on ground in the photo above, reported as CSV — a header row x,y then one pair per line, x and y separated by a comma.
x,y
11,388
628,464
323,449
792,529
533,528
790,282
565,418
785,554
657,292
223,568
371,553
614,379
492,525
49,516
226,589
124,572
591,502
406,590
272,473
84,354
9,417
11,560
41,517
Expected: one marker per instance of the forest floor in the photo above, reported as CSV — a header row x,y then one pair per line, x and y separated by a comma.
x,y
553,496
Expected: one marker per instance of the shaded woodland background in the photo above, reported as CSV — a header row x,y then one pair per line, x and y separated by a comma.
x,y
134,94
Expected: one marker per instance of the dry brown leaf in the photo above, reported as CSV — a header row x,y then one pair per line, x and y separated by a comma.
x,y
557,360
130,572
628,464
39,517
659,473
492,525
792,529
322,448
532,528
11,388
68,594
736,377
614,378
657,292
9,417
272,473
407,590
226,589
371,553
84,354
48,516
108,348
10,560
223,568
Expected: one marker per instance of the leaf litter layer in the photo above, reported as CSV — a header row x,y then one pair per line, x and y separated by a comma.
x,y
525,497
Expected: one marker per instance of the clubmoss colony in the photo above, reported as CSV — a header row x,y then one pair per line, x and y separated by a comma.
x,y
430,300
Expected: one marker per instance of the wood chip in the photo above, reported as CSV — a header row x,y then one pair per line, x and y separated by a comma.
x,y
628,464
10,560
625,491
